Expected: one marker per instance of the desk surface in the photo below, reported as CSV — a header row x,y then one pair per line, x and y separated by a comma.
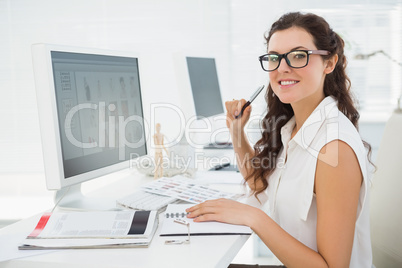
x,y
203,251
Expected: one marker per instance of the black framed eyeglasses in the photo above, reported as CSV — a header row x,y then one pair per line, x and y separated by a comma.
x,y
295,59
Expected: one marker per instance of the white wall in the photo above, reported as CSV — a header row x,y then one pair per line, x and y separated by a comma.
x,y
231,29
155,29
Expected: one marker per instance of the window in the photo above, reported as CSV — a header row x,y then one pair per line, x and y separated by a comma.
x,y
375,76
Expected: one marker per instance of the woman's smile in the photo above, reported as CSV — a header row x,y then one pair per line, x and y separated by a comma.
x,y
287,83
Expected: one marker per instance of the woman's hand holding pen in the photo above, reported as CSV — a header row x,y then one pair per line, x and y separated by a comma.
x,y
233,109
236,124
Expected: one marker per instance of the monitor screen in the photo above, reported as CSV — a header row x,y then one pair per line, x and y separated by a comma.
x,y
205,86
90,112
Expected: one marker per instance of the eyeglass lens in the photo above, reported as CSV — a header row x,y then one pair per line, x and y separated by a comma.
x,y
296,59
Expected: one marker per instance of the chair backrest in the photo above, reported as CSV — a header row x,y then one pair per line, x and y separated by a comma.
x,y
386,197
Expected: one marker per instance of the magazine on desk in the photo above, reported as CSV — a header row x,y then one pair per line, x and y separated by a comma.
x,y
100,229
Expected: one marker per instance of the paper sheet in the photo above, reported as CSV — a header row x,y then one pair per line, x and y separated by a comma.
x,y
9,247
187,190
218,177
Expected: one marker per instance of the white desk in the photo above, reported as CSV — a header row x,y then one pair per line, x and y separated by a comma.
x,y
203,251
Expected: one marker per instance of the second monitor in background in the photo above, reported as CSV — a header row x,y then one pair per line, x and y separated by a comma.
x,y
207,100
205,86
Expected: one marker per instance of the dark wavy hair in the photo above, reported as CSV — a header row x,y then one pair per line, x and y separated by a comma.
x,y
336,84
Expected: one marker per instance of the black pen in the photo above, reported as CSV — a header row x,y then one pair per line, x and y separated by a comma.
x,y
252,98
218,167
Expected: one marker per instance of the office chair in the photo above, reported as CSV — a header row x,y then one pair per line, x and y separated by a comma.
x,y
386,197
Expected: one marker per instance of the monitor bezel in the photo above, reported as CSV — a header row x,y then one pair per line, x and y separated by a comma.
x,y
48,115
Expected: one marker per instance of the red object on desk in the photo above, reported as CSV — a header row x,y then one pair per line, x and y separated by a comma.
x,y
41,224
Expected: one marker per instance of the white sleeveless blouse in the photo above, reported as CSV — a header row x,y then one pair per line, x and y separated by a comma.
x,y
292,201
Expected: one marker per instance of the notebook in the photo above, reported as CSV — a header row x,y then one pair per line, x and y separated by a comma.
x,y
178,211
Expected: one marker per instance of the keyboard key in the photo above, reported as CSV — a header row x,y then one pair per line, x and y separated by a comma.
x,y
142,200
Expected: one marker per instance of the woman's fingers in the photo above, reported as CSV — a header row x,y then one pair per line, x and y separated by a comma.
x,y
234,107
222,210
208,207
238,108
206,217
207,211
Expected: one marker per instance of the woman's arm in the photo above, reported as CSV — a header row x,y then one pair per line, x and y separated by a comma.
x,y
243,150
337,185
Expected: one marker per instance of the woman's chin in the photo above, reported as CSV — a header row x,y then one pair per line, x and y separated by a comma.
x,y
286,99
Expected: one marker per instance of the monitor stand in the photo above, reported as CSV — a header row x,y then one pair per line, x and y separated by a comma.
x,y
72,198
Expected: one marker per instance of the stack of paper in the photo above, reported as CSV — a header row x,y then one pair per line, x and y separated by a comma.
x,y
101,229
184,189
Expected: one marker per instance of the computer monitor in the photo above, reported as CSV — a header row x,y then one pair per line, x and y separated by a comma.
x,y
90,115
202,99
205,86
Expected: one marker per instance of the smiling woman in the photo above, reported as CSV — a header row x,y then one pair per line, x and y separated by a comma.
x,y
310,71
310,159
